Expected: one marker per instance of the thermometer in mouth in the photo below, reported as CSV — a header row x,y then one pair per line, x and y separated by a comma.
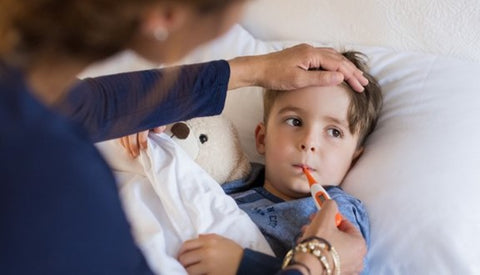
x,y
319,194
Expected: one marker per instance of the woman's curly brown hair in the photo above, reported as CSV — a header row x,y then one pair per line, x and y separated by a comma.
x,y
89,29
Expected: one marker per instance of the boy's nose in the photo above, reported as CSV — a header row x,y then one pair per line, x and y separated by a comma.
x,y
309,140
306,147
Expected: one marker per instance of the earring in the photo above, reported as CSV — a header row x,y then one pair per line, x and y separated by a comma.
x,y
160,34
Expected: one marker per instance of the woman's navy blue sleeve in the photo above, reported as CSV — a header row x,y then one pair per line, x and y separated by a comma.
x,y
254,262
117,105
289,272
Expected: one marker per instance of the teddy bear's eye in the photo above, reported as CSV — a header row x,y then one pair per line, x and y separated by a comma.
x,y
203,138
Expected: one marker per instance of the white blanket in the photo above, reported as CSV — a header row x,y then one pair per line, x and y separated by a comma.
x,y
169,199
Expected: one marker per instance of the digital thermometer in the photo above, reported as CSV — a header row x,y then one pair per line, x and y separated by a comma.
x,y
319,194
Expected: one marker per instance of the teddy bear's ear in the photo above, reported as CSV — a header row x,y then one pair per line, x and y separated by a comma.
x,y
181,133
180,130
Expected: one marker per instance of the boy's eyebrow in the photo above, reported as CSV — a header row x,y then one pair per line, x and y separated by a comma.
x,y
289,108
335,120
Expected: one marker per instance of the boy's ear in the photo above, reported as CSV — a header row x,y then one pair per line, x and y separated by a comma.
x,y
260,138
356,155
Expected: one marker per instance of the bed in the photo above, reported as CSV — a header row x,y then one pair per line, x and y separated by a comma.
x,y
419,176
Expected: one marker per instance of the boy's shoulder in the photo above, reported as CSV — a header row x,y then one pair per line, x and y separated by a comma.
x,y
345,200
352,209
254,179
337,193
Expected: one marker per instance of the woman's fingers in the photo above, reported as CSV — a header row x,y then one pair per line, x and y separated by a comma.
x,y
334,61
159,129
132,144
347,227
142,140
136,142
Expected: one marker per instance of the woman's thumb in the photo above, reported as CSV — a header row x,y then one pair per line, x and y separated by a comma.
x,y
328,213
347,227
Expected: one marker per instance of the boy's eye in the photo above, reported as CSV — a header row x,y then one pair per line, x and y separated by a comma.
x,y
294,122
334,133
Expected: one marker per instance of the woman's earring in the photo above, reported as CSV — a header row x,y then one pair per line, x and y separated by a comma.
x,y
160,34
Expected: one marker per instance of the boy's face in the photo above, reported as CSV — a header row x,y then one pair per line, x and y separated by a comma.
x,y
306,127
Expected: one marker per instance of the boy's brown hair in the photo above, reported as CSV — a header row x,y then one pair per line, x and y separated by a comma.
x,y
364,107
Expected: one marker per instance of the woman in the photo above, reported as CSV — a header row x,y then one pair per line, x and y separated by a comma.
x,y
60,210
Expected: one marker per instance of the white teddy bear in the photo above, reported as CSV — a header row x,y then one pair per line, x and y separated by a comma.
x,y
214,144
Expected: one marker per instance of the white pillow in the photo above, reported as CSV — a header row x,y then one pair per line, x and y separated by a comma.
x,y
446,27
419,176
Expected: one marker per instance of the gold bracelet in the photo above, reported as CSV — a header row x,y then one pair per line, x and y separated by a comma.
x,y
336,260
316,247
333,253
288,258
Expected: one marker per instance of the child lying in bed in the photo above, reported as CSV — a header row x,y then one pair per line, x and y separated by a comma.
x,y
323,128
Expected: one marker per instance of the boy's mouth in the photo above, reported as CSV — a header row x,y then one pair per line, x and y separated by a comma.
x,y
301,166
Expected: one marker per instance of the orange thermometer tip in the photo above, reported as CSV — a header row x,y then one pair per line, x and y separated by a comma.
x,y
311,180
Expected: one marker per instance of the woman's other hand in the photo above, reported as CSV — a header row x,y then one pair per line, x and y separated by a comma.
x,y
135,142
346,239
294,68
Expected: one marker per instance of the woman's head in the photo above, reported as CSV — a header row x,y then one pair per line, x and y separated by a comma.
x,y
93,29
183,26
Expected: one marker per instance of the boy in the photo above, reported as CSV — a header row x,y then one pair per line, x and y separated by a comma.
x,y
323,128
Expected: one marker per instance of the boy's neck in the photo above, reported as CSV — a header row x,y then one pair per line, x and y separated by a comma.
x,y
274,191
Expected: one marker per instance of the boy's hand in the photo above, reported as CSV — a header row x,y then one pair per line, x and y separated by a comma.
x,y
136,142
210,254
